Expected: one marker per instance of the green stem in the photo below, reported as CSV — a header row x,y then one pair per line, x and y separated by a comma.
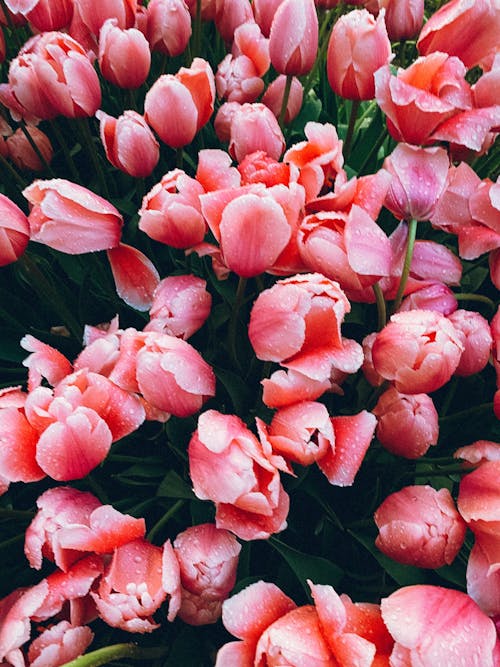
x,y
17,177
179,157
240,292
410,243
374,150
452,470
470,296
452,390
350,129
323,39
34,146
111,653
67,154
88,141
465,414
284,102
381,307
16,514
164,519
7,544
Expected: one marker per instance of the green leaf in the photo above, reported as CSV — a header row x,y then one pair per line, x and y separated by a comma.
x,y
173,486
186,649
305,566
237,389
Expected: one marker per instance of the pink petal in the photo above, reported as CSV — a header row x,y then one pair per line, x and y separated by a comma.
x,y
136,277
18,448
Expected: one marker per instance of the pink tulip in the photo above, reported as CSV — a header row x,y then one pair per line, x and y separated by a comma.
x,y
237,80
171,211
178,106
59,644
418,350
479,452
407,423
285,388
14,231
124,55
168,26
229,466
129,143
477,341
264,11
358,46
433,625
250,42
93,16
229,15
180,307
70,522
254,127
208,559
258,167
51,76
429,296
22,153
207,9
487,88
462,28
214,170
136,583
43,362
419,177
420,526
223,120
48,15
68,217
293,39
273,97
483,582
135,276
403,19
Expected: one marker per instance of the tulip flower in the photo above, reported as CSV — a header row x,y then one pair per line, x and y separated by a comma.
x,y
14,231
124,56
93,16
254,127
60,644
273,97
168,26
229,15
477,341
22,153
293,39
264,11
135,275
403,19
47,15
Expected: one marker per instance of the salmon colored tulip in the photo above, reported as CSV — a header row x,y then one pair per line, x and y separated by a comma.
x,y
207,9
229,466
171,211
258,167
59,644
178,106
14,231
293,39
264,11
237,80
22,153
464,28
68,217
215,172
253,127
47,15
420,526
479,452
135,275
487,87
181,305
124,55
358,46
129,143
430,296
249,41
168,26
93,16
285,388
43,362
418,350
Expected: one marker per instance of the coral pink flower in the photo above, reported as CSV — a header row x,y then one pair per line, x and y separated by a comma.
x,y
264,11
18,447
51,76
229,15
93,17
429,296
22,153
68,217
479,452
59,644
253,127
171,211
258,167
43,362
464,28
478,504
293,39
180,307
70,522
288,387
273,97
208,559
135,276
237,80
403,19
250,42
207,9
433,626
135,584
407,423
487,88
420,526
168,26
477,341
483,582
358,46
419,176
48,15
124,55
178,106
229,466
214,171
129,143
14,231
418,350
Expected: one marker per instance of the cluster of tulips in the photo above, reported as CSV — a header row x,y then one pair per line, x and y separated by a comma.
x,y
263,394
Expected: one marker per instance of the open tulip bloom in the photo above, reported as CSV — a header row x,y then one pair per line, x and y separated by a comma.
x,y
250,333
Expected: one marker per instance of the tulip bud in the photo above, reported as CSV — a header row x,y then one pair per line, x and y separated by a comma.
x,y
254,127
22,153
14,231
403,18
168,26
124,55
273,97
49,15
293,40
477,341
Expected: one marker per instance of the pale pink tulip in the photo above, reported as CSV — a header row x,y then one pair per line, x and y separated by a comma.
x,y
68,217
477,341
254,127
483,582
181,305
273,97
48,15
293,39
358,46
288,387
229,466
418,350
168,26
420,526
229,15
124,55
59,644
93,16
22,153
14,231
407,423
129,143
171,211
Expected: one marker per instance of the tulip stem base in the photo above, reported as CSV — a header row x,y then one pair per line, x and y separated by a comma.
x,y
350,128
381,307
34,146
284,102
410,243
111,653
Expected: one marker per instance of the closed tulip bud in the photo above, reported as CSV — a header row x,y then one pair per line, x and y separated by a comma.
x,y
293,40
407,423
124,55
273,97
403,19
358,46
229,14
253,128
420,526
477,341
237,80
14,231
129,143
434,296
264,11
207,9
22,153
93,15
168,26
